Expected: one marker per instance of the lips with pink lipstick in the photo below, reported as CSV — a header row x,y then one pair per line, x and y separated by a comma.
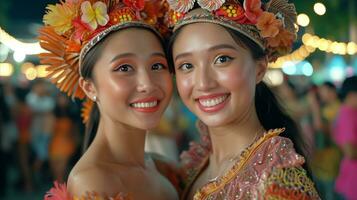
x,y
147,105
212,103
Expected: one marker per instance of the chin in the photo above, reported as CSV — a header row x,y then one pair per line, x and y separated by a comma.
x,y
214,121
148,124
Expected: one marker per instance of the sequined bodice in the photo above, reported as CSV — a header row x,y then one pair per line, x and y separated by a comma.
x,y
270,166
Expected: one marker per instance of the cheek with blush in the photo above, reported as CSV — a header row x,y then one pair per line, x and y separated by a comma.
x,y
185,86
119,88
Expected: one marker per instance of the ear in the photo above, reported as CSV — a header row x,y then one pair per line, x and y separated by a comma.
x,y
88,87
261,69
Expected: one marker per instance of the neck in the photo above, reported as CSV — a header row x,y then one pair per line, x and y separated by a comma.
x,y
118,143
231,139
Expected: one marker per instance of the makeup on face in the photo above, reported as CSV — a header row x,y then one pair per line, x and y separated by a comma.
x,y
215,76
132,79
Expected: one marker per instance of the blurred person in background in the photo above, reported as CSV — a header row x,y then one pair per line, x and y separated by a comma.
x,y
298,109
324,104
345,135
287,93
42,106
63,142
23,116
4,154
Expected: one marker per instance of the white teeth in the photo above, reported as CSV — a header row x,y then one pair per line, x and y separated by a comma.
x,y
144,105
213,102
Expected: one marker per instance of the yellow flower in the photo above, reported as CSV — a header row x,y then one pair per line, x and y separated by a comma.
x,y
94,15
60,16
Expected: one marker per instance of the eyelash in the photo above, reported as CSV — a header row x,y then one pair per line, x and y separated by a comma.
x,y
160,64
224,56
181,67
130,68
121,67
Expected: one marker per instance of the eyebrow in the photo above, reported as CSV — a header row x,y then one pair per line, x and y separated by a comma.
x,y
132,54
220,46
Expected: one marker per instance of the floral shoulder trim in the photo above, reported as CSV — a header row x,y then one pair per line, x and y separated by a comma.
x,y
60,192
290,184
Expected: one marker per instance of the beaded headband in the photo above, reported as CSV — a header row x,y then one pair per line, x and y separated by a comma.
x,y
270,25
73,27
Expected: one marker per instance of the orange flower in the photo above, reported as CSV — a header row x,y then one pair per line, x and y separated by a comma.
x,y
252,9
283,39
268,25
73,46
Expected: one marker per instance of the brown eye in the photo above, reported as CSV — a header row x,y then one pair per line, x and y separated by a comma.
x,y
124,68
186,67
222,59
158,66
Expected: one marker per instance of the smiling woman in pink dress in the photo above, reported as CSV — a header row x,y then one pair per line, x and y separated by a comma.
x,y
250,148
112,53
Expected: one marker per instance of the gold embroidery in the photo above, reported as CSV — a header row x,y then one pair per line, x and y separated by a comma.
x,y
232,173
289,183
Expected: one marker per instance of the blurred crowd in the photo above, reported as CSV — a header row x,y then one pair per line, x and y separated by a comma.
x,y
41,136
327,115
42,133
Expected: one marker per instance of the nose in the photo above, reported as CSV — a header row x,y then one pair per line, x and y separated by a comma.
x,y
205,78
145,81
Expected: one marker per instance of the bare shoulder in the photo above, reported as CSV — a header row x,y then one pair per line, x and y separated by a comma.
x,y
94,179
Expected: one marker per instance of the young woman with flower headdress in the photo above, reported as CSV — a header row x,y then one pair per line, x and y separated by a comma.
x,y
112,53
250,148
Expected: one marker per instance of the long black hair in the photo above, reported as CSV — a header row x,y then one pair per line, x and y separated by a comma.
x,y
88,64
269,111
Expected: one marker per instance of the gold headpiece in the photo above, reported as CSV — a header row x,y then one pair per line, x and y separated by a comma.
x,y
270,25
73,27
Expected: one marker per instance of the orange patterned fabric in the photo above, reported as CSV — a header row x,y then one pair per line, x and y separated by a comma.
x,y
289,184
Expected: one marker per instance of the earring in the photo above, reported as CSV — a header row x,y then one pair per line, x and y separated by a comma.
x,y
95,98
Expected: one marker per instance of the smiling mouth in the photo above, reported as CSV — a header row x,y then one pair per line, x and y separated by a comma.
x,y
212,103
144,104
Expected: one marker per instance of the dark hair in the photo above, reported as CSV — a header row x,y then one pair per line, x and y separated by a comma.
x,y
88,64
4,108
330,85
270,113
348,85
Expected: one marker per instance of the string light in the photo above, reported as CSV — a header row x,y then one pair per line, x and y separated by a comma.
x,y
303,20
18,46
319,8
329,46
298,55
6,69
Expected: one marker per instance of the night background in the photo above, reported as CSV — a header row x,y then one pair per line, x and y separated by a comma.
x,y
326,51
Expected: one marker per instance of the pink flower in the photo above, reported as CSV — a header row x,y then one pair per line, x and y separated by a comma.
x,y
81,29
58,192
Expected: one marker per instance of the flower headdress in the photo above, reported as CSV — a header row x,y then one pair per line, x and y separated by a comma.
x,y
73,27
270,25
